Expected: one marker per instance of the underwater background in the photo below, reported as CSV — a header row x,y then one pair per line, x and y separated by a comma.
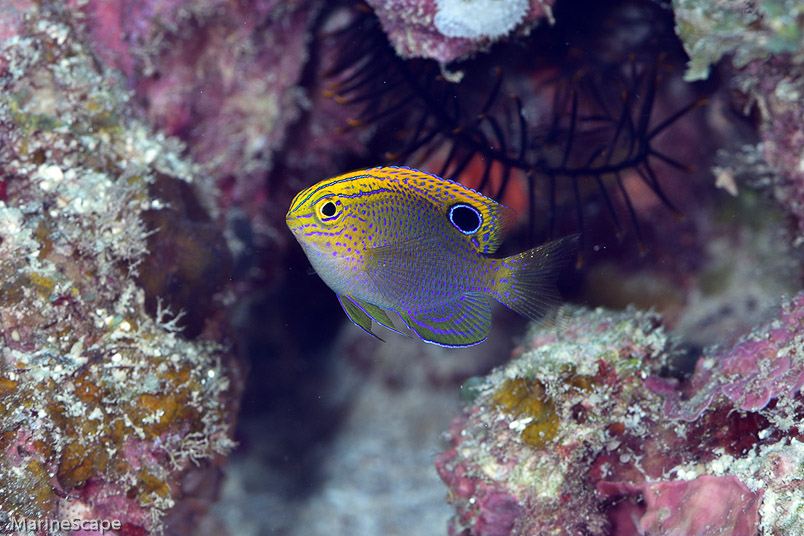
x,y
170,362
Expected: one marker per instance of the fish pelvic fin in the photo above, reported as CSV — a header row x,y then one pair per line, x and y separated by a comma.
x,y
526,283
357,315
464,321
361,313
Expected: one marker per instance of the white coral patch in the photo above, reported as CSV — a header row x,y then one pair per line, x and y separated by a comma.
x,y
48,175
479,18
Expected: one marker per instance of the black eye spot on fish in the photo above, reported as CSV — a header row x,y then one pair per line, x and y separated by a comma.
x,y
465,218
328,209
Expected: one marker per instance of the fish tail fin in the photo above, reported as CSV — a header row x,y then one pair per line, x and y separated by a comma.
x,y
526,283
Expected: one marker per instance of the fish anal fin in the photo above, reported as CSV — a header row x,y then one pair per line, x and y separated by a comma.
x,y
464,321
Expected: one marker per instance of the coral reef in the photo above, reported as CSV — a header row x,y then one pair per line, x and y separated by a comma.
x,y
148,150
106,412
143,230
764,44
449,30
579,435
224,77
746,32
765,366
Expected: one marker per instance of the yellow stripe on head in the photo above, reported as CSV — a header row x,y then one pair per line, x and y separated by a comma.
x,y
305,195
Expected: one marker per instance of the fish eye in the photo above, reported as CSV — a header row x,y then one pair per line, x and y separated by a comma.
x,y
465,218
328,209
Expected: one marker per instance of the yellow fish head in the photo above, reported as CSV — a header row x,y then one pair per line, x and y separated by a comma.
x,y
328,212
315,215
322,220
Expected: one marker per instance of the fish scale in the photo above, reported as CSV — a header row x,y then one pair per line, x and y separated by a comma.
x,y
385,239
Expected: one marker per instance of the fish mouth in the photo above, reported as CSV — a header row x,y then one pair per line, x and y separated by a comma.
x,y
292,221
295,216
297,222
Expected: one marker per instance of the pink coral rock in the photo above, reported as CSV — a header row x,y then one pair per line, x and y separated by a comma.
x,y
765,366
705,506
106,411
449,30
576,436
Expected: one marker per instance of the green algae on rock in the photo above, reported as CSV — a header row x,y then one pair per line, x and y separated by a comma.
x,y
748,31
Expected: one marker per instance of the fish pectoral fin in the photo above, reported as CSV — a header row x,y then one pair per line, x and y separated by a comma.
x,y
357,315
464,321
407,248
397,264
377,314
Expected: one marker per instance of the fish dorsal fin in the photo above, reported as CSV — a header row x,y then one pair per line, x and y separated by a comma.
x,y
482,220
